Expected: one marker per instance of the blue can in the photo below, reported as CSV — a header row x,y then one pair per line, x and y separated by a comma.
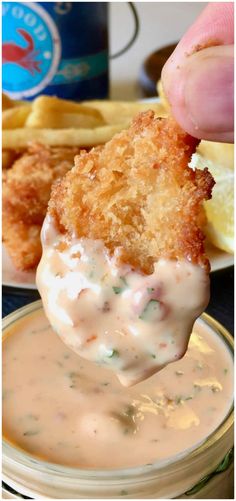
x,y
55,48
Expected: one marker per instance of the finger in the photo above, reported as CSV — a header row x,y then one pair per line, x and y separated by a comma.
x,y
214,26
198,82
202,99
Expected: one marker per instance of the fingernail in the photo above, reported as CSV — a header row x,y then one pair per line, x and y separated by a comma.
x,y
208,91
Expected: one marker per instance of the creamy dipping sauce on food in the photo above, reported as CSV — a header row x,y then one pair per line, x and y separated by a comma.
x,y
66,410
116,316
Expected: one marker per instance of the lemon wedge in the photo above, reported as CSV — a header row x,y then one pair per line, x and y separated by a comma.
x,y
220,209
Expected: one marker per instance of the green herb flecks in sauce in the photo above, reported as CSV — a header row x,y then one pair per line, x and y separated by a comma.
x,y
121,288
31,433
150,311
113,353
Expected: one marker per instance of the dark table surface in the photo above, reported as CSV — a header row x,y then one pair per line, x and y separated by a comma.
x,y
221,305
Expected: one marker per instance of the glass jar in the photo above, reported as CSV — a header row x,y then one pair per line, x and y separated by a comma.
x,y
204,472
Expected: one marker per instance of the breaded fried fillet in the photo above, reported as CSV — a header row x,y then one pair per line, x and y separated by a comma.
x,y
137,194
26,191
23,243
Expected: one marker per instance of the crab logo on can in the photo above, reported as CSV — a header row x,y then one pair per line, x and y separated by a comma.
x,y
31,49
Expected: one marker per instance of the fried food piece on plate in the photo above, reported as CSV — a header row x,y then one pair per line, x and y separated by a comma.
x,y
8,158
137,193
23,243
26,191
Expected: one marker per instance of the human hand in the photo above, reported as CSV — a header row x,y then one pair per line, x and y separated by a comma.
x,y
198,78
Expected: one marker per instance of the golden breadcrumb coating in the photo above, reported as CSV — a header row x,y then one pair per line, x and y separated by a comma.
x,y
138,194
23,244
26,191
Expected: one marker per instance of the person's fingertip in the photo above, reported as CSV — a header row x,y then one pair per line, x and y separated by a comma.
x,y
201,94
209,90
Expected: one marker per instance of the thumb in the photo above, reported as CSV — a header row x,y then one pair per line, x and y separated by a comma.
x,y
202,96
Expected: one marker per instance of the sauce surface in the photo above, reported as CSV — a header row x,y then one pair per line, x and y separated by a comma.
x,y
109,313
66,410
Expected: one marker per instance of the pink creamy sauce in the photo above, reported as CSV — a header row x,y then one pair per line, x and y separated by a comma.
x,y
66,410
114,315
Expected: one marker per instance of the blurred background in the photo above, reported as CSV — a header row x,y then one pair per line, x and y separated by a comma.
x,y
61,48
161,24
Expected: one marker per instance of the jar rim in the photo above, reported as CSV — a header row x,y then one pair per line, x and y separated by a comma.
x,y
13,453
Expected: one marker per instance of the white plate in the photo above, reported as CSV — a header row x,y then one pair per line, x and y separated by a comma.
x,y
26,280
